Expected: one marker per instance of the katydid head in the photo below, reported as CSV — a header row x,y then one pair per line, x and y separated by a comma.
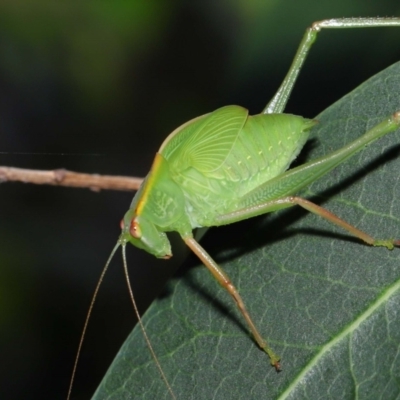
x,y
142,233
157,206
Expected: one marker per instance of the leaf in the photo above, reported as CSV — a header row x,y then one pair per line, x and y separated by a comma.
x,y
328,304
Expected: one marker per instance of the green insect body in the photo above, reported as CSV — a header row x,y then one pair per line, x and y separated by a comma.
x,y
226,166
198,179
206,167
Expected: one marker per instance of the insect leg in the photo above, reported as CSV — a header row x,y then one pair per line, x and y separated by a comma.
x,y
221,276
290,201
278,103
324,213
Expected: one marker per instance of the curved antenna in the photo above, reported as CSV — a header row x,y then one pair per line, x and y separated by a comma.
x,y
153,354
89,313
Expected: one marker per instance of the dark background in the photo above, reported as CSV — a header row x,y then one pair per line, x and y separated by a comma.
x,y
95,87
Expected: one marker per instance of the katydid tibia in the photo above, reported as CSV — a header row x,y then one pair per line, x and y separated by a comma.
x,y
227,166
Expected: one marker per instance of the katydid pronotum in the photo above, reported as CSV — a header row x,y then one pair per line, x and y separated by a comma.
x,y
226,166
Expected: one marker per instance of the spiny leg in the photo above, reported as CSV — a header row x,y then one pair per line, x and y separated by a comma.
x,y
221,276
278,103
290,201
324,213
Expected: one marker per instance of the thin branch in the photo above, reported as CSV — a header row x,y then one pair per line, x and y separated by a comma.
x,y
62,177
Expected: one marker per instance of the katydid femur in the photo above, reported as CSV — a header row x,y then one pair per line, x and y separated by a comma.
x,y
227,166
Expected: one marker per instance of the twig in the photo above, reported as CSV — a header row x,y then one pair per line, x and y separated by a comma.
x,y
62,177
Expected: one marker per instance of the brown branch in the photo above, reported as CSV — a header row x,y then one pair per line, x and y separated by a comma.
x,y
62,177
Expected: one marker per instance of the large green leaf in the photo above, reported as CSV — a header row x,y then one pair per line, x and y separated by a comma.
x,y
328,304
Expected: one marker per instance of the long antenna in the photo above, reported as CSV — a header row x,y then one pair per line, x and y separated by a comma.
x,y
141,323
89,313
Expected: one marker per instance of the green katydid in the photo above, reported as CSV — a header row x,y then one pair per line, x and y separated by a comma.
x,y
226,166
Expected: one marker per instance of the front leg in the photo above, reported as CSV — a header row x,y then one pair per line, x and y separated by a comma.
x,y
223,279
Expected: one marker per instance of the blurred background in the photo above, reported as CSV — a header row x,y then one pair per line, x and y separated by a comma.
x,y
95,87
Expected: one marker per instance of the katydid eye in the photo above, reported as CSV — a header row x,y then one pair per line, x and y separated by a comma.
x,y
134,230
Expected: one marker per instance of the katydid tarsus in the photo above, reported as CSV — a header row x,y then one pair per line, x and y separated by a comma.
x,y
227,166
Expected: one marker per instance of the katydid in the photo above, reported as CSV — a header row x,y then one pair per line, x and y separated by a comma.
x,y
227,166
